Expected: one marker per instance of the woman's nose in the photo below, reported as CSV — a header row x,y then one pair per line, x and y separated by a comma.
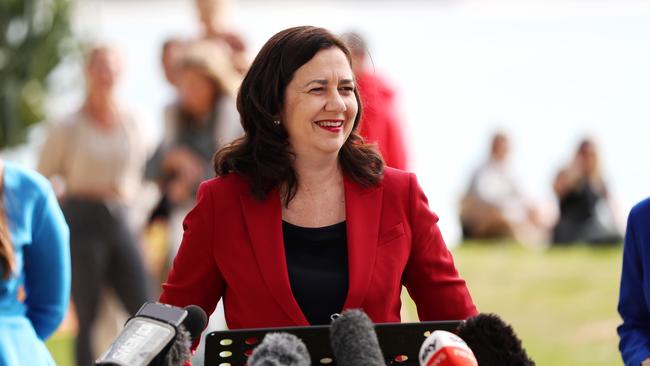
x,y
335,102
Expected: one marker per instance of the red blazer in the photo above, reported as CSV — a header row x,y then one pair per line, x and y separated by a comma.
x,y
233,250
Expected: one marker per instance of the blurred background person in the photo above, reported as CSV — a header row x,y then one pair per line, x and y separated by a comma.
x,y
155,234
634,333
97,157
586,214
204,119
380,122
214,16
494,206
171,51
34,266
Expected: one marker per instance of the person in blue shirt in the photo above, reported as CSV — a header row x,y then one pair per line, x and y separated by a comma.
x,y
634,299
34,266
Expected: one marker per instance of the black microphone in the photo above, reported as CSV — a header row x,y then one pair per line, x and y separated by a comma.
x,y
493,342
158,335
192,326
280,349
354,340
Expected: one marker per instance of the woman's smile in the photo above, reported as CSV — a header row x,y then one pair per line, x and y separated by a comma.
x,y
331,125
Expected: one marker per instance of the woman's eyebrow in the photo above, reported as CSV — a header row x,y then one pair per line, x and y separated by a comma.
x,y
317,81
325,82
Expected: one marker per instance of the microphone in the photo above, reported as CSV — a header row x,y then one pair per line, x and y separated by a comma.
x,y
158,335
280,349
493,341
195,322
354,340
443,348
191,329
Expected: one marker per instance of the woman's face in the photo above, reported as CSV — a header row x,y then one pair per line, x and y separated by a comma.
x,y
196,91
588,158
103,69
320,105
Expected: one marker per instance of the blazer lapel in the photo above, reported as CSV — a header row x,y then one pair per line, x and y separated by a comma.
x,y
264,223
363,212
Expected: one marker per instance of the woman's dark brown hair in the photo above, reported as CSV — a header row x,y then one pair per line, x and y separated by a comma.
x,y
7,260
262,155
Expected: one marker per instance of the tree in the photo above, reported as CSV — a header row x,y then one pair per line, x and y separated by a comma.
x,y
35,36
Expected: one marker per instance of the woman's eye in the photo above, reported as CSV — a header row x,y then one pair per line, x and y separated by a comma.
x,y
347,89
316,90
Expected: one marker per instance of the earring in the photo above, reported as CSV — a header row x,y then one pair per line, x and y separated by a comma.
x,y
276,122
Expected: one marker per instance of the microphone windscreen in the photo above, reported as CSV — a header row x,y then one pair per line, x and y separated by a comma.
x,y
196,321
280,349
179,352
493,341
354,340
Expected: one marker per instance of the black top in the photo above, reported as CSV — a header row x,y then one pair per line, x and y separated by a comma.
x,y
317,260
579,204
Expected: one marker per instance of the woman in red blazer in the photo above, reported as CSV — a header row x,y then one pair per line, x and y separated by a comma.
x,y
303,220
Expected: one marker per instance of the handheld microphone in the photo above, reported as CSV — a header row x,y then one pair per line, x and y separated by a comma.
x,y
280,349
354,340
493,341
158,334
443,348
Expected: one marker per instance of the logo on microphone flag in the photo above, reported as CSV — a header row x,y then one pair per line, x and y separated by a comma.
x,y
443,348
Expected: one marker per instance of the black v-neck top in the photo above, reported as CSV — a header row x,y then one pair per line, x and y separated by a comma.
x,y
317,261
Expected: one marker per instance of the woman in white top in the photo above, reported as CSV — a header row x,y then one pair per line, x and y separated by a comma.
x,y
98,153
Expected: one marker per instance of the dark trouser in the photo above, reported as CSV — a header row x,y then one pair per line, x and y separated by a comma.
x,y
104,252
590,231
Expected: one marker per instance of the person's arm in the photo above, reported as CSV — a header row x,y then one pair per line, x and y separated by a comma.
x,y
430,275
634,333
195,278
52,157
47,267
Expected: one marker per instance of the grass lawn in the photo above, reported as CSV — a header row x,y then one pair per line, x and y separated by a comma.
x,y
61,348
561,302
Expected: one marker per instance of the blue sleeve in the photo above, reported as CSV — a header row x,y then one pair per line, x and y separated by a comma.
x,y
47,266
634,333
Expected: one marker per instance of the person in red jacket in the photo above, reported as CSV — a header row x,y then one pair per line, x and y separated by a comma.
x,y
380,123
303,220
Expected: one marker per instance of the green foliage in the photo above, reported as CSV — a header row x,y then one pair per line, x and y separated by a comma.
x,y
35,36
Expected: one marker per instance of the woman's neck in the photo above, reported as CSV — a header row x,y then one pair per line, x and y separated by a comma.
x,y
320,196
317,172
200,115
102,108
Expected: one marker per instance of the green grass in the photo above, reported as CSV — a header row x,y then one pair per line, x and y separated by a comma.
x,y
61,347
561,302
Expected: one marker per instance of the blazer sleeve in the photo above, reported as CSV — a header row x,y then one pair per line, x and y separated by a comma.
x,y
634,333
195,278
430,275
47,266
